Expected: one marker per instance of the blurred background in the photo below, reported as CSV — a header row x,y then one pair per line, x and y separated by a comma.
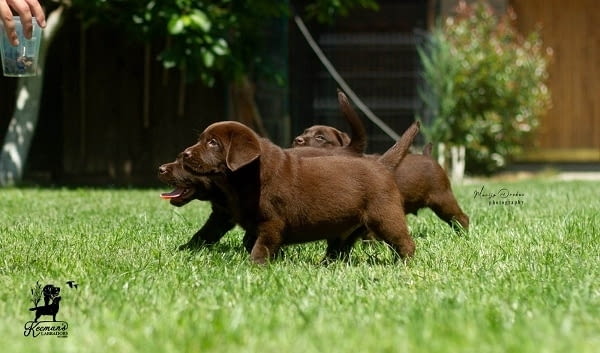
x,y
122,92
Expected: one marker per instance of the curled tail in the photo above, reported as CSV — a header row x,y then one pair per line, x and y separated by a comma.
x,y
393,156
358,133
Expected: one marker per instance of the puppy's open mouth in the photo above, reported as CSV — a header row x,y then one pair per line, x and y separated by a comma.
x,y
178,194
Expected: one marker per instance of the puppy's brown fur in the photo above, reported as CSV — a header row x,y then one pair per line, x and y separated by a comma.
x,y
284,199
423,183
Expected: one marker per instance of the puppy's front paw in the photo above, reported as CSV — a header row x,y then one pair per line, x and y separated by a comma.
x,y
259,255
193,244
186,246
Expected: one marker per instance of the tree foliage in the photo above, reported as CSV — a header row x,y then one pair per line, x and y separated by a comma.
x,y
207,38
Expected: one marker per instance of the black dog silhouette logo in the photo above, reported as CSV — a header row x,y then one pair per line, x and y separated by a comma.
x,y
52,298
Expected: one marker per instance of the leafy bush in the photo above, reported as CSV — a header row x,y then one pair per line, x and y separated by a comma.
x,y
484,85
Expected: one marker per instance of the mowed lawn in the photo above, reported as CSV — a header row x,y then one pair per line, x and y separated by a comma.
x,y
525,279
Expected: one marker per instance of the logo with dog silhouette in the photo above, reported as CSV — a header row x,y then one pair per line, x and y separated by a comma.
x,y
50,309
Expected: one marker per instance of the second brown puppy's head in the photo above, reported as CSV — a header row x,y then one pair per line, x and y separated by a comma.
x,y
222,147
330,137
321,136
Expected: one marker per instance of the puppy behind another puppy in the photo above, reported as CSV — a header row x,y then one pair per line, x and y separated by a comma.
x,y
423,183
330,137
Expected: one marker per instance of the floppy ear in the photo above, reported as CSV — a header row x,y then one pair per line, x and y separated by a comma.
x,y
343,138
244,147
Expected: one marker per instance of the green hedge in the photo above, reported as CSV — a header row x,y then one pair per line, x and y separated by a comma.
x,y
484,85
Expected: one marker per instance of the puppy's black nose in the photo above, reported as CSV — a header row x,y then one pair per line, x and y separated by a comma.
x,y
298,141
162,169
187,154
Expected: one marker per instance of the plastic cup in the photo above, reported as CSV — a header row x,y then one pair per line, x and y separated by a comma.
x,y
22,60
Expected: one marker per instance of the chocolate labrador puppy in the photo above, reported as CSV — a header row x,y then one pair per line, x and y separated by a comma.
x,y
422,181
281,198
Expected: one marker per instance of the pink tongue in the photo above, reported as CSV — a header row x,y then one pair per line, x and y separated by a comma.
x,y
173,194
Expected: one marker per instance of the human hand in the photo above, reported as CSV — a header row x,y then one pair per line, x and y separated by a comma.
x,y
26,10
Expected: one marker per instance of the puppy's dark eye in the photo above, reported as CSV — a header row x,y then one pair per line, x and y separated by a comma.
x,y
320,138
213,143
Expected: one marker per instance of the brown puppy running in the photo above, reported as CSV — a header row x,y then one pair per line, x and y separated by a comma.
x,y
285,199
422,181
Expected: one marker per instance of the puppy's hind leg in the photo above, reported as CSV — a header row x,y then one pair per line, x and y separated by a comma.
x,y
390,226
446,207
339,248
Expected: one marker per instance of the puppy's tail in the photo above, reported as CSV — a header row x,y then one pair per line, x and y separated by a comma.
x,y
393,156
358,133
33,309
428,149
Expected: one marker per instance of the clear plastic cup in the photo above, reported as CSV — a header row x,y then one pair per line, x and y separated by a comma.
x,y
22,60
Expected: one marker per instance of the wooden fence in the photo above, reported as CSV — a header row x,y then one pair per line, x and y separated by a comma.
x,y
571,130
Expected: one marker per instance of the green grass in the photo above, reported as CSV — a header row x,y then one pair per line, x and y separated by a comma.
x,y
525,279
